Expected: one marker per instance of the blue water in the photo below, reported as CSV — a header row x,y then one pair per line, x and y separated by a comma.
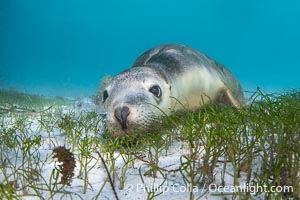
x,y
64,47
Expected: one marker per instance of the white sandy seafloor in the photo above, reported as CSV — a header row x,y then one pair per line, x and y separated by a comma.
x,y
173,188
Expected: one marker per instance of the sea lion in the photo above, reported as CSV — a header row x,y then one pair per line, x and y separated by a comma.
x,y
161,77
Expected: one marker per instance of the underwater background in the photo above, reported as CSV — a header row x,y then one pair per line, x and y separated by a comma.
x,y
65,47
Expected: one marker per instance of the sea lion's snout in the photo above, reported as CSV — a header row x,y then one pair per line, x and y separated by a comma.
x,y
121,114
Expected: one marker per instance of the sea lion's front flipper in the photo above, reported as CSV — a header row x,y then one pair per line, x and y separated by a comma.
x,y
225,96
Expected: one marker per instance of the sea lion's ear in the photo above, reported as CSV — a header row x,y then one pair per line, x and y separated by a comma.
x,y
225,96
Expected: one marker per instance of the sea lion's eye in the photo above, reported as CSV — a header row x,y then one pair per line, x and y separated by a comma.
x,y
155,90
105,95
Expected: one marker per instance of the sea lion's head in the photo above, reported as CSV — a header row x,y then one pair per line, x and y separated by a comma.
x,y
135,100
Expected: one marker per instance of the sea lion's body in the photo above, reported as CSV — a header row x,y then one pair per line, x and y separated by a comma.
x,y
161,78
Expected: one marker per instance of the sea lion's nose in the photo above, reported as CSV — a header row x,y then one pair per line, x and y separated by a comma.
x,y
121,114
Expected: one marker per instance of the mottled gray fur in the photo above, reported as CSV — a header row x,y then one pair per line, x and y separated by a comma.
x,y
180,72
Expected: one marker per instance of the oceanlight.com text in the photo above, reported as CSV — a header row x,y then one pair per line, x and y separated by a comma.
x,y
247,188
212,188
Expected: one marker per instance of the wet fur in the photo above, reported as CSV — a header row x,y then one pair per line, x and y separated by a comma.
x,y
182,72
